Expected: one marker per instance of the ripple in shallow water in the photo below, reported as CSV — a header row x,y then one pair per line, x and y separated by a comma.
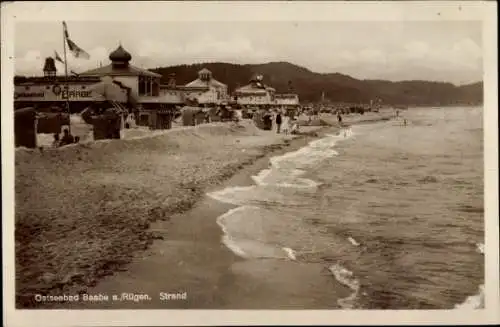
x,y
471,209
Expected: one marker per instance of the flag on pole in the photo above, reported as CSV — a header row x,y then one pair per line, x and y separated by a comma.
x,y
65,27
58,58
75,49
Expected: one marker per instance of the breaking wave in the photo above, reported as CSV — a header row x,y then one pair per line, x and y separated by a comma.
x,y
243,233
346,277
474,301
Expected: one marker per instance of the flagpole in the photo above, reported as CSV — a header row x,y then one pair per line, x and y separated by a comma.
x,y
66,79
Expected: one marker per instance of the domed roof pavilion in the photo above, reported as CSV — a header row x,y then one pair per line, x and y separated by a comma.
x,y
120,66
120,55
204,80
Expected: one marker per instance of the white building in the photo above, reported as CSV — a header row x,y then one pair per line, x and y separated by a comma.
x,y
155,102
287,100
255,93
140,87
50,90
53,89
144,84
206,89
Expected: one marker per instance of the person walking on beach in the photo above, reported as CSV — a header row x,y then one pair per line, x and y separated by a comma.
x,y
67,138
56,141
286,124
278,122
295,126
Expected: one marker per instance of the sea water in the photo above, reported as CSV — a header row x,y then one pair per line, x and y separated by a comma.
x,y
394,212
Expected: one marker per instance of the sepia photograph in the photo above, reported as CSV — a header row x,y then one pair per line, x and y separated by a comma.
x,y
335,157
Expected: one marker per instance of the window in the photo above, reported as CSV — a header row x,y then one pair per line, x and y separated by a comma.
x,y
148,86
156,88
142,86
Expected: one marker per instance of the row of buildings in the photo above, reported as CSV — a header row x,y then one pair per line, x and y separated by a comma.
x,y
143,86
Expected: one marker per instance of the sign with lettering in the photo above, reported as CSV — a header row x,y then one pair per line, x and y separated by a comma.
x,y
72,94
18,95
53,92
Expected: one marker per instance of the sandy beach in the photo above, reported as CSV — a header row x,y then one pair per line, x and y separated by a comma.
x,y
135,210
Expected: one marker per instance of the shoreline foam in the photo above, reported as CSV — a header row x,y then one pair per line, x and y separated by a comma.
x,y
475,301
321,146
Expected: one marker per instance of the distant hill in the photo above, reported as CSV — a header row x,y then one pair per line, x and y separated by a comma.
x,y
287,77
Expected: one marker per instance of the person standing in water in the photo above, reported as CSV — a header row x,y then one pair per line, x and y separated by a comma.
x,y
339,117
278,122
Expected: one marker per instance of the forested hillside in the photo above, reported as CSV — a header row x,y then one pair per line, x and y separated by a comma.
x,y
286,77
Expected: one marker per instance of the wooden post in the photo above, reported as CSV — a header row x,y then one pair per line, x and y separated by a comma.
x,y
66,79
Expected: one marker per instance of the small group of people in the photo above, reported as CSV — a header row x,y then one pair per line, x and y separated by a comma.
x,y
286,124
397,115
65,140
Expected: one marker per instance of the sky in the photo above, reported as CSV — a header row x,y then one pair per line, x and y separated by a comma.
x,y
449,51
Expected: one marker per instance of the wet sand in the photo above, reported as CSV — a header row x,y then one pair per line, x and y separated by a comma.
x,y
192,259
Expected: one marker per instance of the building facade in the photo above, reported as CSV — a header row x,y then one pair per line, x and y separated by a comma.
x,y
255,93
144,85
154,103
206,89
54,90
287,100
